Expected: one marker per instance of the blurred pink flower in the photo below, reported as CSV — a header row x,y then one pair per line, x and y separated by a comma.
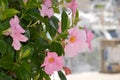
x,y
15,32
90,36
25,1
45,11
48,3
76,42
52,63
73,5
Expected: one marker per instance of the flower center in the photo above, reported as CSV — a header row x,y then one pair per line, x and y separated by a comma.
x,y
73,39
51,60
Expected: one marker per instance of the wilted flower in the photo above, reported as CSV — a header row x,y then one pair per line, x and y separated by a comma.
x,y
67,70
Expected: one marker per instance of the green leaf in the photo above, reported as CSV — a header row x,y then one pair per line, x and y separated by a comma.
x,y
54,22
56,10
64,21
61,75
47,77
8,13
3,76
7,61
4,25
3,48
21,73
26,66
3,5
56,47
32,3
53,26
41,44
68,1
25,52
76,17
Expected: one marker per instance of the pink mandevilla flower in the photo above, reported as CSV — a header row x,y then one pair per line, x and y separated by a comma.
x,y
52,63
45,11
48,3
90,36
76,42
15,33
25,1
73,5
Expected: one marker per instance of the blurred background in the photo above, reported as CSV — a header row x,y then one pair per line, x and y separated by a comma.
x,y
103,18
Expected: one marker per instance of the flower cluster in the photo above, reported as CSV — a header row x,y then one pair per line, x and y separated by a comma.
x,y
35,41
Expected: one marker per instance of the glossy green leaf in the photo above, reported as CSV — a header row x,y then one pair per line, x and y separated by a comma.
x,y
61,75
7,61
56,47
3,47
3,76
41,44
21,73
3,5
4,25
25,52
32,3
47,77
8,13
53,26
64,21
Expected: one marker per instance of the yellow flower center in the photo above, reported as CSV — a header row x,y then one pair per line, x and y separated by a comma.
x,y
73,39
51,60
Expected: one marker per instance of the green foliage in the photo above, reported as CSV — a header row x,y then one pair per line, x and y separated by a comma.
x,y
64,21
68,0
61,75
57,47
3,76
8,13
7,60
42,33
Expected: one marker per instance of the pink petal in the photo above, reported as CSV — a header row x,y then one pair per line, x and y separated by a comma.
x,y
22,38
25,1
49,69
45,11
50,12
79,45
71,50
73,5
89,39
16,45
46,62
52,54
58,64
14,23
18,36
48,3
